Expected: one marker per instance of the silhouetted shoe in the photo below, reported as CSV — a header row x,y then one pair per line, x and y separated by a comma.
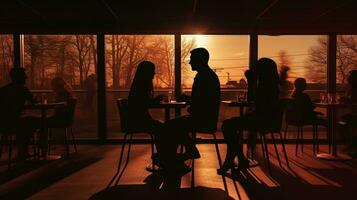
x,y
191,154
227,165
182,169
243,164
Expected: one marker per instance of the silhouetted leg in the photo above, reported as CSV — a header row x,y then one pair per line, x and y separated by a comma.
x,y
297,141
73,140
276,149
284,150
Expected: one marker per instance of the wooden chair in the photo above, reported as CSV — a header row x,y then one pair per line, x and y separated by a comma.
x,y
66,125
273,127
128,131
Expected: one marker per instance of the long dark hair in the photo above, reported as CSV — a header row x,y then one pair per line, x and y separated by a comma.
x,y
267,74
143,79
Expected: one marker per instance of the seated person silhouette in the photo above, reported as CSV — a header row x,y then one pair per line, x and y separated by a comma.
x,y
13,97
203,114
141,95
63,93
303,107
265,108
348,124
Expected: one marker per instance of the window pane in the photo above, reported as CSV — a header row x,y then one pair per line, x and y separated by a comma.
x,y
123,54
298,56
229,58
74,58
6,58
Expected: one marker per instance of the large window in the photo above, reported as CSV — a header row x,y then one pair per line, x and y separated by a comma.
x,y
74,58
123,54
6,58
298,57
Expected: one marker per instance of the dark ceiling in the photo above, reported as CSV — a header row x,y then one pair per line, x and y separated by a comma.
x,y
179,16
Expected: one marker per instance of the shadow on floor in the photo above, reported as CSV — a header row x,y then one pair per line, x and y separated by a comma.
x,y
145,192
38,179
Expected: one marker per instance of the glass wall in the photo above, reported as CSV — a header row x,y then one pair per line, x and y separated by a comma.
x,y
229,58
123,54
74,58
298,56
6,58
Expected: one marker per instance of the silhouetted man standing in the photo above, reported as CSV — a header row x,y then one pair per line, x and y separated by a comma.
x,y
12,99
203,115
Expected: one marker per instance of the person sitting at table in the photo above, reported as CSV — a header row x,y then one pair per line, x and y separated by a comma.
x,y
141,95
63,93
13,97
303,105
348,124
203,114
266,102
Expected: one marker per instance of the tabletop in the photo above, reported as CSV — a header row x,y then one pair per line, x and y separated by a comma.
x,y
45,105
237,103
172,104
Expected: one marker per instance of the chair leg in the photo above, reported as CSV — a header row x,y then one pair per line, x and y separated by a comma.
x,y
66,141
220,162
313,139
10,152
49,141
302,139
284,150
73,140
267,154
193,163
276,149
152,153
297,141
1,145
262,144
317,139
122,152
286,131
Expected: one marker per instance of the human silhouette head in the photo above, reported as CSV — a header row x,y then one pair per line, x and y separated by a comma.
x,y
267,72
300,84
143,77
145,70
18,75
199,58
59,85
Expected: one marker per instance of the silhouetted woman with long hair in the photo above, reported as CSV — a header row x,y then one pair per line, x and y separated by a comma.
x,y
141,95
266,102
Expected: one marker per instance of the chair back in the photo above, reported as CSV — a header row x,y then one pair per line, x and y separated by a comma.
x,y
293,115
123,113
274,123
70,110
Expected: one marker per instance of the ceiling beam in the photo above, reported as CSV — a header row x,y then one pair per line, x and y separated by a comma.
x,y
267,9
31,9
110,10
333,8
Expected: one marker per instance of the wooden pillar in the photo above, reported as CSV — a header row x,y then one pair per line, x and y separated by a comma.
x,y
331,63
177,69
253,50
102,122
18,43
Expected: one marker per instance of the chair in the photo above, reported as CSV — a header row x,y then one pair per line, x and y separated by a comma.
x,y
128,131
7,137
66,124
274,126
295,117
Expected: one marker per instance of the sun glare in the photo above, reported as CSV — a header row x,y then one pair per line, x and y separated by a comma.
x,y
201,40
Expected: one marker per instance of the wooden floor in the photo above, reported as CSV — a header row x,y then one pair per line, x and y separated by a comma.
x,y
85,175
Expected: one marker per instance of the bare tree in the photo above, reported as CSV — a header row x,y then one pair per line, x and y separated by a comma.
x,y
6,55
346,58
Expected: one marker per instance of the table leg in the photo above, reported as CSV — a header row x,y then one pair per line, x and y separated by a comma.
x,y
332,133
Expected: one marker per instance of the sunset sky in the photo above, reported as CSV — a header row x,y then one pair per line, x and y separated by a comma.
x,y
230,54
